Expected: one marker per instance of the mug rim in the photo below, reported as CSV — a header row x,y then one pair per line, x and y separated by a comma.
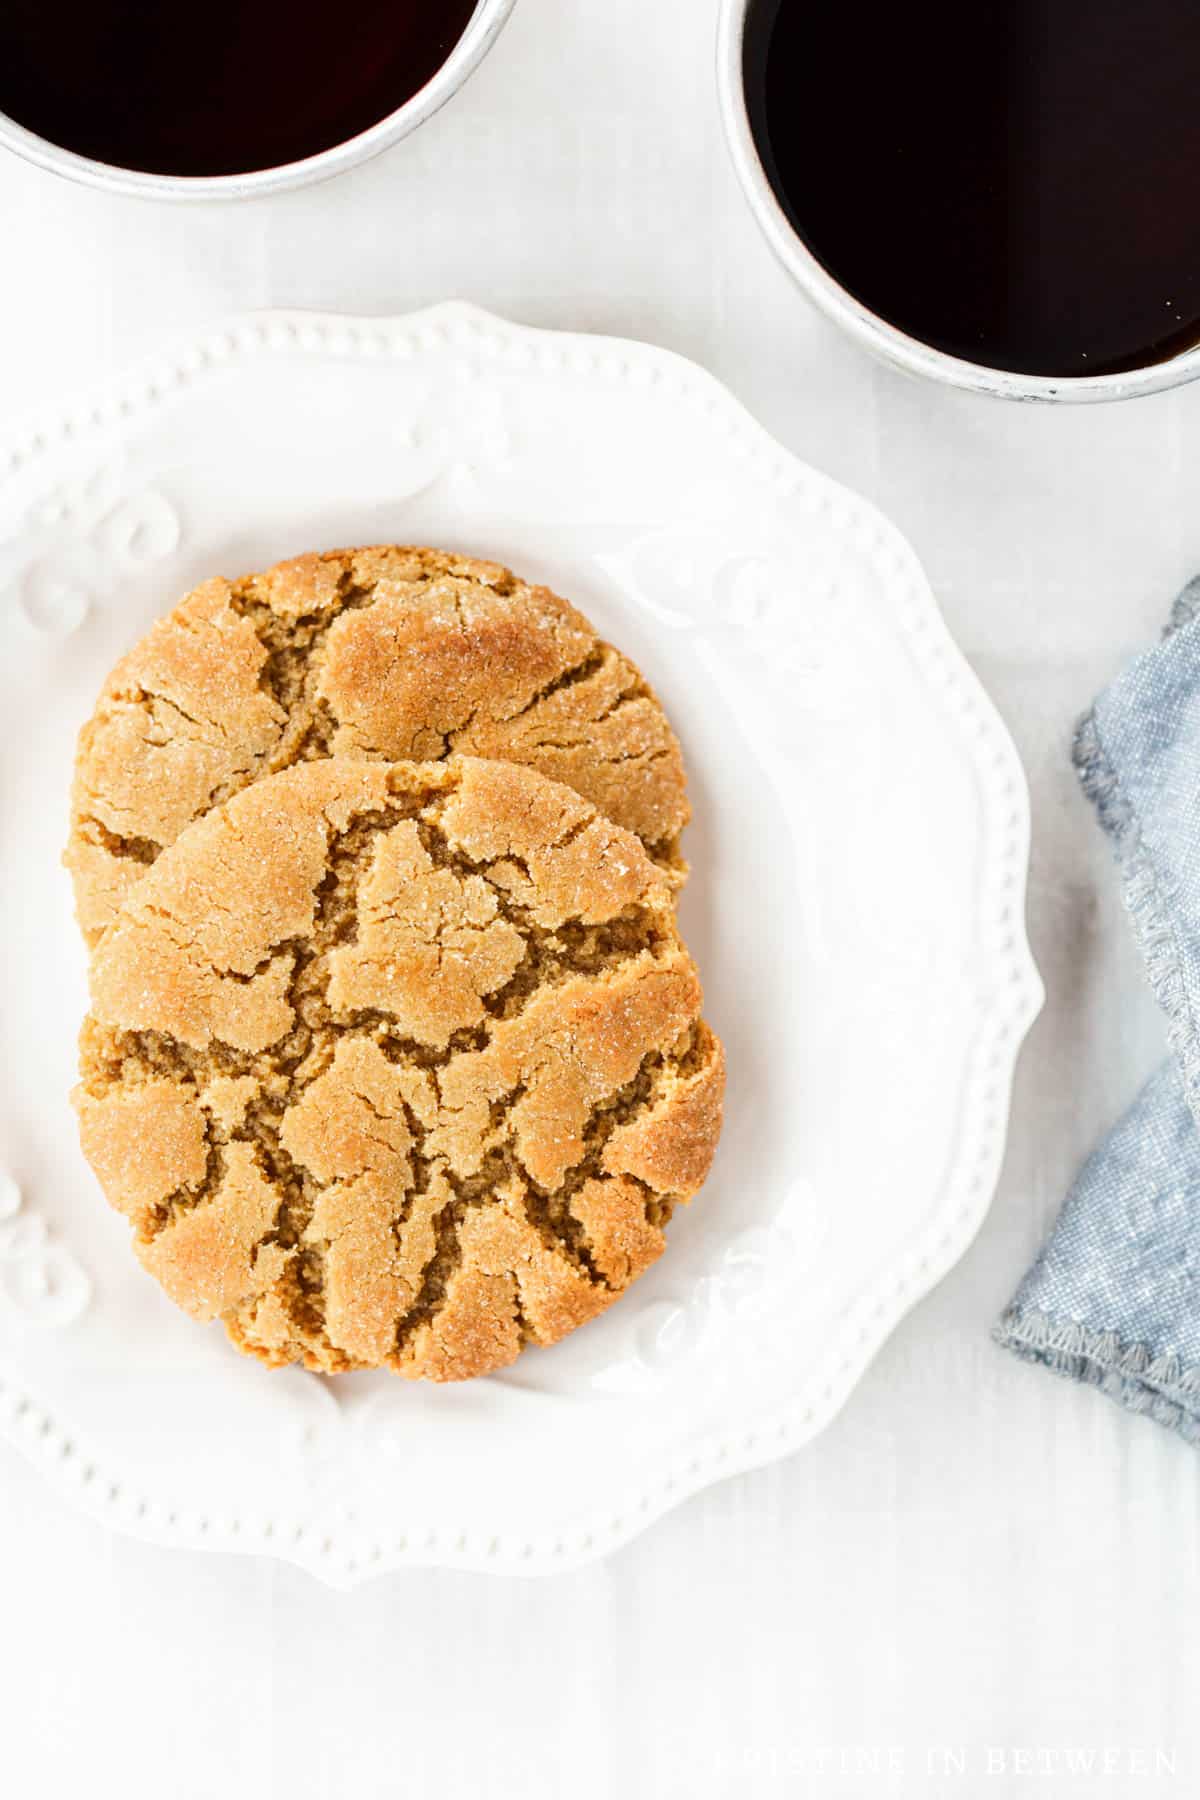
x,y
875,333
481,31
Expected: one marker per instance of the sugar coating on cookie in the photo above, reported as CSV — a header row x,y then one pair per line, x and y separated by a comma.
x,y
384,653
399,1064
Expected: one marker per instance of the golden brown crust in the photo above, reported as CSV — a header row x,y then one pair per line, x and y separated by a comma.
x,y
398,1064
143,1141
669,1145
386,653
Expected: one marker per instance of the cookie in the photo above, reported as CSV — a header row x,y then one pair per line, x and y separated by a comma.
x,y
395,654
399,1064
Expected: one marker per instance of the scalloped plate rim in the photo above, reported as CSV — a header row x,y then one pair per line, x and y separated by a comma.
x,y
322,1544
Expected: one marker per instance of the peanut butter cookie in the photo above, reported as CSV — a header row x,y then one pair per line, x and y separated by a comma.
x,y
399,1064
396,654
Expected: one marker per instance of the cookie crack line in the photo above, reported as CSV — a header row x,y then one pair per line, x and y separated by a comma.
x,y
148,700
551,1208
445,1261
628,696
582,671
136,849
349,596
189,1195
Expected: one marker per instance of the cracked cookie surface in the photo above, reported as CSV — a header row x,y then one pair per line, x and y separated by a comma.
x,y
399,1064
389,653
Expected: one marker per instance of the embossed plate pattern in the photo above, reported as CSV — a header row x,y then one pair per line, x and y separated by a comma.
x,y
859,856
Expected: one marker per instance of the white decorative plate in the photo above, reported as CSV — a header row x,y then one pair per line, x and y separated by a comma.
x,y
856,907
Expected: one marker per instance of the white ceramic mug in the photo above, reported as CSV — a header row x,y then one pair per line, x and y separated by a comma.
x,y
888,341
481,33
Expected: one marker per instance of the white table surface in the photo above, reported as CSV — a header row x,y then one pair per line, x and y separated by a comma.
x,y
978,1570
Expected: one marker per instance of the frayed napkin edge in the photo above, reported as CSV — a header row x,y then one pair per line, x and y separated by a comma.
x,y
1141,887
1162,1386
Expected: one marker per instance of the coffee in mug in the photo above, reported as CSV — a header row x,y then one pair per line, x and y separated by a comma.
x,y
1014,182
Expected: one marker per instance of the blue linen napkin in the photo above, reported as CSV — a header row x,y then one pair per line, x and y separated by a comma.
x,y
1114,1297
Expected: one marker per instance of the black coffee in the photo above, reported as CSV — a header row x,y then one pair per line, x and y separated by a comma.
x,y
1013,181
216,87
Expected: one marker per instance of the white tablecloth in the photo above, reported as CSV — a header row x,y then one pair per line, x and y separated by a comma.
x,y
980,1579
